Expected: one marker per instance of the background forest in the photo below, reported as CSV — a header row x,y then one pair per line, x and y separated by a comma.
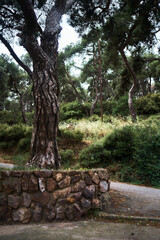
x,y
109,96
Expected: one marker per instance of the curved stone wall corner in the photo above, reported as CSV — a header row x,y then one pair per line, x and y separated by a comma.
x,y
33,196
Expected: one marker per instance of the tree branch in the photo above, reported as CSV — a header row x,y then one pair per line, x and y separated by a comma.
x,y
130,34
156,31
151,59
16,58
69,4
29,15
15,85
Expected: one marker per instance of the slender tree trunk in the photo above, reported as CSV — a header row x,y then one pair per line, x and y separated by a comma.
x,y
142,88
150,84
95,83
22,106
94,104
132,89
21,102
100,79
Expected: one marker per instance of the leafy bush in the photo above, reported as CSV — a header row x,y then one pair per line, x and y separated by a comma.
x,y
28,132
149,104
121,107
15,134
120,144
93,156
67,158
10,117
108,107
116,146
147,158
94,118
24,145
75,136
30,116
107,119
71,110
135,148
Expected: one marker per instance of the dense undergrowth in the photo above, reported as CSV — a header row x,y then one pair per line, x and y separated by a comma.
x,y
130,151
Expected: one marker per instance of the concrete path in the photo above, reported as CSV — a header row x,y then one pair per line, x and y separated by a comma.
x,y
133,200
86,230
7,165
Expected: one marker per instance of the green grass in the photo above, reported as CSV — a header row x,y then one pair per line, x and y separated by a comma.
x,y
94,130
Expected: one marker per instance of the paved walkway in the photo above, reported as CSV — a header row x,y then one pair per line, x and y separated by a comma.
x,y
86,230
128,199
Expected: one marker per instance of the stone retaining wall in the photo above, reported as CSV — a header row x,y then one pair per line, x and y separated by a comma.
x,y
33,196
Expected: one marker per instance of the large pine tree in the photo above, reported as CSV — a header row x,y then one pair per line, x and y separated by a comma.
x,y
41,42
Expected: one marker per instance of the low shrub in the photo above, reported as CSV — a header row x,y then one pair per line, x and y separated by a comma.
x,y
120,144
121,107
67,158
147,159
71,110
30,116
93,156
107,119
149,104
75,136
94,118
66,155
16,134
10,117
135,148
28,132
24,145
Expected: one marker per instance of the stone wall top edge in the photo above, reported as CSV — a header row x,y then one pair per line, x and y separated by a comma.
x,y
56,171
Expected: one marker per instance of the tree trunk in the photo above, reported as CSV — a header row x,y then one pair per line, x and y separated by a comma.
x,y
100,79
43,145
22,107
94,104
132,89
21,102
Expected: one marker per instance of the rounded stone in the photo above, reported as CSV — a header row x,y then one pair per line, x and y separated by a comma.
x,y
51,184
58,176
89,192
103,186
13,201
41,197
22,215
65,182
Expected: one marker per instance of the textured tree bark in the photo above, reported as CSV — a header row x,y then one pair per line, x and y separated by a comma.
x,y
132,89
43,145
